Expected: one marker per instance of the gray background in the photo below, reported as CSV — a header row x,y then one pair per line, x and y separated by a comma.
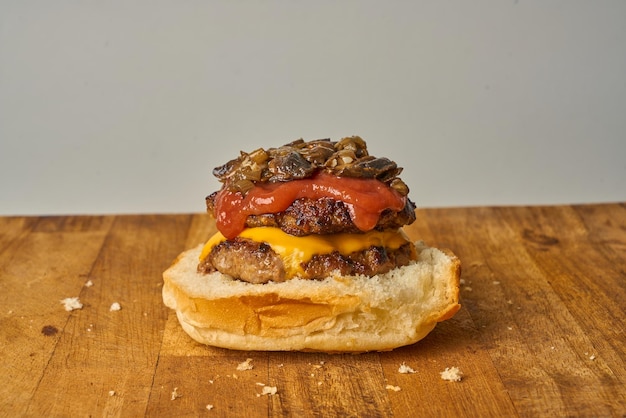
x,y
126,106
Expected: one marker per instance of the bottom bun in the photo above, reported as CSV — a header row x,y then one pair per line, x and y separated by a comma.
x,y
337,314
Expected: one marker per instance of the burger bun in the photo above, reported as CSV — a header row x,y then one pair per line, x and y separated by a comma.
x,y
334,315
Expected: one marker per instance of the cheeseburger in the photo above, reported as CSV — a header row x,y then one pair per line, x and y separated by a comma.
x,y
310,255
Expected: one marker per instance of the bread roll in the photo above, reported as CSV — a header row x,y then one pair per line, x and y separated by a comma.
x,y
338,314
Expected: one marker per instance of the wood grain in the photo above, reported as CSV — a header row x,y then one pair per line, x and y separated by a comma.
x,y
540,333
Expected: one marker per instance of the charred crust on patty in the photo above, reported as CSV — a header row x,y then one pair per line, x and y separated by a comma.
x,y
321,216
255,262
369,262
250,261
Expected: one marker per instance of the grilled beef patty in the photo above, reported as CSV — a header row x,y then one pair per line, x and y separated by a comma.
x,y
321,216
255,262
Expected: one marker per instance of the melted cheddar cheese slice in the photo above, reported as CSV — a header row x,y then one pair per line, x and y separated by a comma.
x,y
297,250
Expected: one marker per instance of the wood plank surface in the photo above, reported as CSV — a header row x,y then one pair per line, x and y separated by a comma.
x,y
540,331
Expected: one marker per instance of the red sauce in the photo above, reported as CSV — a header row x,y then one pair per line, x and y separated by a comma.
x,y
367,198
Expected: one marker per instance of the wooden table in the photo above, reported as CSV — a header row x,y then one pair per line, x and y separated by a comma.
x,y
540,333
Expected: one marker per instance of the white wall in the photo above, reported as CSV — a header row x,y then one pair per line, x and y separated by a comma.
x,y
126,106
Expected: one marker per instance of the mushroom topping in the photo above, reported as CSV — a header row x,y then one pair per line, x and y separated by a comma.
x,y
299,159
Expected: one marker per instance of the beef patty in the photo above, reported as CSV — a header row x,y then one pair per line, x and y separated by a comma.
x,y
256,262
321,216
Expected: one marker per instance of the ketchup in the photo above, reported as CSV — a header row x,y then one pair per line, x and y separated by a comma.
x,y
366,198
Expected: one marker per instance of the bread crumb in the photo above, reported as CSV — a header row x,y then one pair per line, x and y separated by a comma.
x,y
259,384
509,328
592,357
88,283
115,307
246,365
392,387
111,393
175,394
280,365
467,289
461,281
452,374
268,390
71,303
496,282
404,369
209,407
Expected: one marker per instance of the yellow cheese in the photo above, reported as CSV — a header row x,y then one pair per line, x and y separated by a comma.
x,y
296,250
